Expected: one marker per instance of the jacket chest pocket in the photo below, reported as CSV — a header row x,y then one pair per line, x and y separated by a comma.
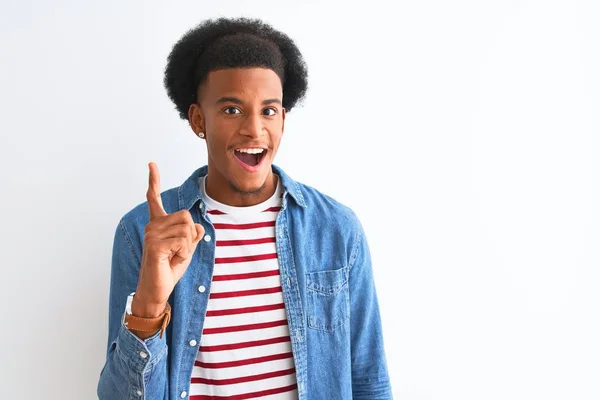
x,y
328,298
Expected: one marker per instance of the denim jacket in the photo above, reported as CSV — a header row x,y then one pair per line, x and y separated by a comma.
x,y
328,291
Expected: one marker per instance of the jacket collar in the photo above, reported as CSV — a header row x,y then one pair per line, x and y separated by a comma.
x,y
189,192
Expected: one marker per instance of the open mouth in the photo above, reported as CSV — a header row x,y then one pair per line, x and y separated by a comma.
x,y
250,157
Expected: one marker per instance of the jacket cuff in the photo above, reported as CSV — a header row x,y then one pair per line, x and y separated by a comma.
x,y
139,353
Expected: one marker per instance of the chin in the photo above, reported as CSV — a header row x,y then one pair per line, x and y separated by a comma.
x,y
249,185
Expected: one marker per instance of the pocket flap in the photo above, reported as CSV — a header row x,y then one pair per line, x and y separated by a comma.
x,y
328,281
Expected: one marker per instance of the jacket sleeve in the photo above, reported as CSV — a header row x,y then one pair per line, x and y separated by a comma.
x,y
370,379
134,368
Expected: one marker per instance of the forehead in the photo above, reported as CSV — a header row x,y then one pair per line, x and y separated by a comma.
x,y
243,83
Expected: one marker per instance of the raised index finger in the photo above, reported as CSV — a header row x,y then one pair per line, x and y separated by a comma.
x,y
155,205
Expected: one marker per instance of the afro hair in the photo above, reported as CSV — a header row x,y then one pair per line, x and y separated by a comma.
x,y
232,43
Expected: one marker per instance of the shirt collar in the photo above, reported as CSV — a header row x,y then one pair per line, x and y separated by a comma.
x,y
189,192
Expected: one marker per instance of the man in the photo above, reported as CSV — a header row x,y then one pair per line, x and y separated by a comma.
x,y
241,283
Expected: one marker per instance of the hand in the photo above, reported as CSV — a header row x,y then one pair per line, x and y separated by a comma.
x,y
169,244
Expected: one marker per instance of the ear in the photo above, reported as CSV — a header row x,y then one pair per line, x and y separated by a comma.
x,y
282,119
196,118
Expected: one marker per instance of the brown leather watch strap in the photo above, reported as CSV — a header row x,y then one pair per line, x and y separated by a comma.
x,y
139,324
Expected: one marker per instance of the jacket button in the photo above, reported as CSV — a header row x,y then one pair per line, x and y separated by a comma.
x,y
193,342
201,289
183,394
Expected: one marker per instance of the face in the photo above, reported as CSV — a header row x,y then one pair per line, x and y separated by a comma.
x,y
241,114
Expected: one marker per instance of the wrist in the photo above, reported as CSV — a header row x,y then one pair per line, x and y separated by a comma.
x,y
140,307
139,318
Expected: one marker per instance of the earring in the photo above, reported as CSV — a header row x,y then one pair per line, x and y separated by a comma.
x,y
201,134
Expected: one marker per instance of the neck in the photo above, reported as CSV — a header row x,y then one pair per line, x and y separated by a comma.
x,y
224,191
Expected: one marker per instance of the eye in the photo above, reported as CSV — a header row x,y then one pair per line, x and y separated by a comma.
x,y
232,110
270,111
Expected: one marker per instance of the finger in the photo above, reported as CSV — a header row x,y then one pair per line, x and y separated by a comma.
x,y
186,231
155,205
179,217
175,249
172,231
180,251
199,233
193,233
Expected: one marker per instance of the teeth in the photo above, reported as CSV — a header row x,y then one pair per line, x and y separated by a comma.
x,y
250,151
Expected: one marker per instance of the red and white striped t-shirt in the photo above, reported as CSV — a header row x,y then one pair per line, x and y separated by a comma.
x,y
245,350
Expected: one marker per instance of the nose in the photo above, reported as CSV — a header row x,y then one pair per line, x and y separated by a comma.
x,y
252,126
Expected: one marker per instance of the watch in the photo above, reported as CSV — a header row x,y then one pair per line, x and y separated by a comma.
x,y
139,324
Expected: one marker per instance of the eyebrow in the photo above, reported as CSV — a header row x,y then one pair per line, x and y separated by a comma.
x,y
238,101
271,101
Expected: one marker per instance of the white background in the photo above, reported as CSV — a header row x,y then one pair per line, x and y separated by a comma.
x,y
464,134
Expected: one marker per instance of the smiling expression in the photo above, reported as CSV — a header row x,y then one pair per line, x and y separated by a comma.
x,y
240,111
